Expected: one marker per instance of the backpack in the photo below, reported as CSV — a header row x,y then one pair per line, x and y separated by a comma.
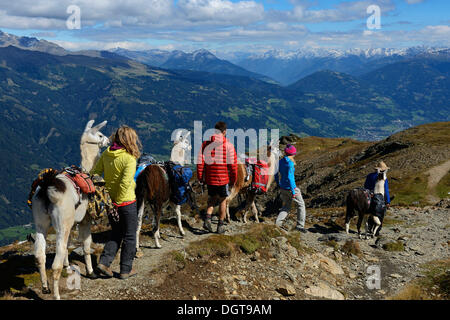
x,y
100,203
260,175
142,163
179,177
377,205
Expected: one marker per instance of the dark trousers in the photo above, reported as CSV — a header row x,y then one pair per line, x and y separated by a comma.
x,y
123,233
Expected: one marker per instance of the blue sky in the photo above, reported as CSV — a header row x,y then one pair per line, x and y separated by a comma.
x,y
230,25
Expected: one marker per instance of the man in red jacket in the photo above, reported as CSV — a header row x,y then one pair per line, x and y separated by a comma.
x,y
217,167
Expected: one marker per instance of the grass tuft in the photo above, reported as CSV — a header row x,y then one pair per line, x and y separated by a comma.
x,y
394,246
352,247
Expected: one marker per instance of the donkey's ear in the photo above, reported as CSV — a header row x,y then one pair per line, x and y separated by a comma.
x,y
100,125
89,125
187,135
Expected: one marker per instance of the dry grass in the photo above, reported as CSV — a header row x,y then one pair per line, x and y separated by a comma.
x,y
435,285
352,247
443,188
410,189
257,237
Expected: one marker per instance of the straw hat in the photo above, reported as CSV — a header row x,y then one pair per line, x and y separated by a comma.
x,y
381,166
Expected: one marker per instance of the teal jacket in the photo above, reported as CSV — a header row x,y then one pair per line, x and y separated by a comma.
x,y
285,176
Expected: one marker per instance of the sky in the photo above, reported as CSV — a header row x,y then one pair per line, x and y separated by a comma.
x,y
230,25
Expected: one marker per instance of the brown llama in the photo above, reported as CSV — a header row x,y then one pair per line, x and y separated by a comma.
x,y
244,181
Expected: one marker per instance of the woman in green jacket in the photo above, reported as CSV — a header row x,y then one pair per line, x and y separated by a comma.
x,y
118,164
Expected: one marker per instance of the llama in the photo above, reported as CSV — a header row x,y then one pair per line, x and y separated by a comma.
x,y
57,202
242,184
358,200
152,185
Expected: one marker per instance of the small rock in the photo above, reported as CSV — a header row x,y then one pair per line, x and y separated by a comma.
x,y
372,259
281,240
324,291
79,251
351,275
396,275
333,236
327,264
290,275
286,289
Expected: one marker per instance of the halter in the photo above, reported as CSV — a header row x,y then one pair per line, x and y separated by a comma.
x,y
89,142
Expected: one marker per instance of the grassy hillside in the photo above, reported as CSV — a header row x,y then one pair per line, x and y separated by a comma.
x,y
328,168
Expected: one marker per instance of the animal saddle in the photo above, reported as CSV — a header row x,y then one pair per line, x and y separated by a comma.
x,y
80,180
368,195
259,170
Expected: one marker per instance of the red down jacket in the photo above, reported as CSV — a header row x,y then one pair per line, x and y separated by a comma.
x,y
217,162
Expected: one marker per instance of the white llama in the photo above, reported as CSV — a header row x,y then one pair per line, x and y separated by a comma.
x,y
58,203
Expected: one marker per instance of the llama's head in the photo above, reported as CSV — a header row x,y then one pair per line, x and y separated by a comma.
x,y
382,174
92,135
182,141
181,147
273,150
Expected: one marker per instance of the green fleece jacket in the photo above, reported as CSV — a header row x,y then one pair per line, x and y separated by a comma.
x,y
118,167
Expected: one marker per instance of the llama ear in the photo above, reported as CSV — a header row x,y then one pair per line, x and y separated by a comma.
x,y
89,125
100,125
187,135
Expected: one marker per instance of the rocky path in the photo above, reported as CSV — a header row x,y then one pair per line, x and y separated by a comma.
x,y
319,269
435,175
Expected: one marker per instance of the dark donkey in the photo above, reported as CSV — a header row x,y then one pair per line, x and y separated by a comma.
x,y
367,206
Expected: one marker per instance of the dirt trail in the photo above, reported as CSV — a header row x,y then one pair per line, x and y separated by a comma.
x,y
435,175
423,232
170,240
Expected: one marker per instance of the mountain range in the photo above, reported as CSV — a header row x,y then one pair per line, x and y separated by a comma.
x,y
288,67
46,99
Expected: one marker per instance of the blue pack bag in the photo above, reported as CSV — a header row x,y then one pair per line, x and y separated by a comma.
x,y
179,177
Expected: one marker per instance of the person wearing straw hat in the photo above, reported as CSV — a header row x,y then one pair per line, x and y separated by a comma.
x,y
369,184
289,192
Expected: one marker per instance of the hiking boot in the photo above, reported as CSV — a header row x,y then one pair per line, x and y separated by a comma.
x,y
104,270
220,228
303,230
207,225
124,276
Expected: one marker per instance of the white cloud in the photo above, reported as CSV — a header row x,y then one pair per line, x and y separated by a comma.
x,y
241,13
220,23
344,11
414,1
